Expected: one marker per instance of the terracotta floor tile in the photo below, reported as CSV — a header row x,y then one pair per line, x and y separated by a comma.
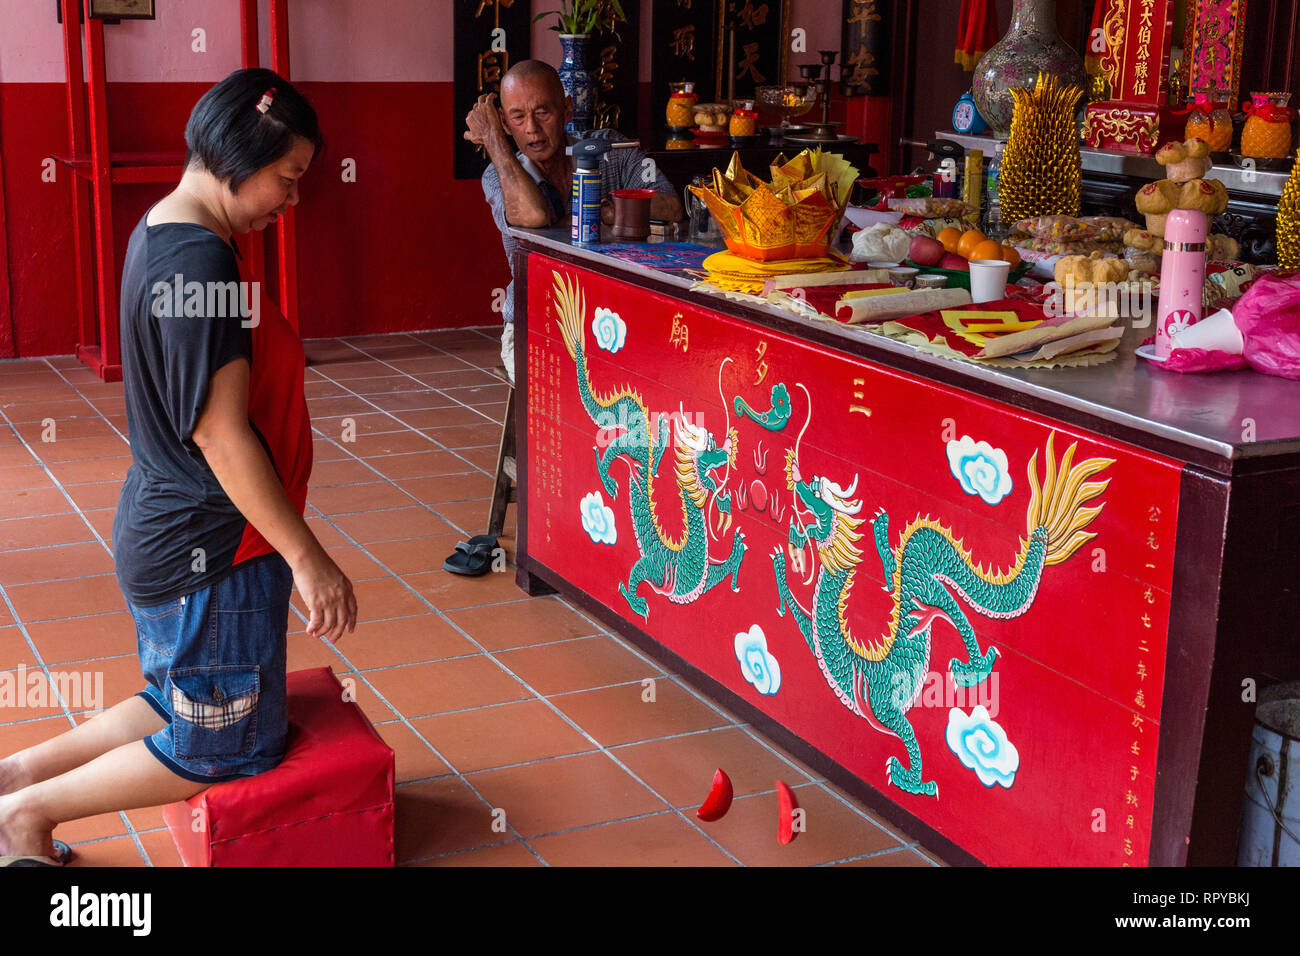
x,y
97,390
407,442
503,854
455,379
386,384
23,700
352,367
485,458
323,449
622,714
328,536
101,519
161,848
564,793
389,525
478,394
832,830
440,816
14,477
320,388
29,502
681,769
577,665
38,411
84,638
407,556
93,495
13,649
368,496
345,428
439,687
90,828
342,471
447,591
429,362
39,532
498,736
306,652
470,516
332,406
53,563
467,436
324,352
436,489
519,623
98,469
83,449
405,401
419,464
404,640
453,415
664,839
146,818
55,600
109,406
121,851
415,760
902,857
354,562
40,435
19,736
5,616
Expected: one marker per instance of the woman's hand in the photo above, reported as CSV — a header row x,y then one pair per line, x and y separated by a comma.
x,y
327,592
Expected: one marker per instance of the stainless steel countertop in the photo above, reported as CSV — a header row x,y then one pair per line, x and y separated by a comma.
x,y
1210,412
1267,185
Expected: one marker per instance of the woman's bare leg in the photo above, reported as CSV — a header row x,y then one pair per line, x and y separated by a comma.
x,y
125,778
129,720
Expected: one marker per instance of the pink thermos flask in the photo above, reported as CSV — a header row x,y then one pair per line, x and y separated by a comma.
x,y
1182,276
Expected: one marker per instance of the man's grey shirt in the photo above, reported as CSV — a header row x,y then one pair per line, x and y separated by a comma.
x,y
619,169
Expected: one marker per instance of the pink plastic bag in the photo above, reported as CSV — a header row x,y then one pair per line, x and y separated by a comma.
x,y
1269,318
1201,360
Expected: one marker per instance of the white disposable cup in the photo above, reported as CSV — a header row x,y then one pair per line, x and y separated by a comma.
x,y
1218,331
988,279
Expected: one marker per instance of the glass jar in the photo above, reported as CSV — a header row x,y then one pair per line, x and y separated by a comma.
x,y
744,119
1210,121
1267,133
681,104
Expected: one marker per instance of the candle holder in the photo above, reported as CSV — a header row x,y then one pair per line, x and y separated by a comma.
x,y
826,130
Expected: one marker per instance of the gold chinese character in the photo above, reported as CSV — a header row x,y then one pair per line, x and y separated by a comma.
x,y
1153,513
679,334
747,64
1148,595
762,365
1142,670
864,11
1135,750
1140,698
1131,799
1132,775
1146,620
749,15
683,43
1137,722
490,67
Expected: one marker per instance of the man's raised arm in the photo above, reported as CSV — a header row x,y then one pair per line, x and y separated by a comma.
x,y
525,206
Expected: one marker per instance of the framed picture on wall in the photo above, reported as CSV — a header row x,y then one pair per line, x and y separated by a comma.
x,y
121,9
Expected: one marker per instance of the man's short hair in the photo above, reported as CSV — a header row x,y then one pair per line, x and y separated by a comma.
x,y
536,70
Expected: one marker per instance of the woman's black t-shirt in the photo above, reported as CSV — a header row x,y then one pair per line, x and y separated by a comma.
x,y
183,316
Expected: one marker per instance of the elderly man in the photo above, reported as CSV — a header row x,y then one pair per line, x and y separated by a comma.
x,y
530,180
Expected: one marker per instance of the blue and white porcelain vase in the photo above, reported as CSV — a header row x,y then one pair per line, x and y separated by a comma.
x,y
577,81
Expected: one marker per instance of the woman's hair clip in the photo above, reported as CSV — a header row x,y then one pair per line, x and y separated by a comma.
x,y
264,103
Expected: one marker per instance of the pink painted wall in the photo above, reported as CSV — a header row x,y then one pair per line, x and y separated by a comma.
x,y
356,41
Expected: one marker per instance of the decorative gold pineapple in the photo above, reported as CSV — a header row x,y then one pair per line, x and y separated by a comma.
x,y
1288,220
1041,164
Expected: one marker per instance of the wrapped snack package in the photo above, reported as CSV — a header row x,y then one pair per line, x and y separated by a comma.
x,y
932,207
1057,228
1060,247
1108,228
1142,260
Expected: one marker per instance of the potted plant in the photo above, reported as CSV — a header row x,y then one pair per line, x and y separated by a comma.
x,y
576,21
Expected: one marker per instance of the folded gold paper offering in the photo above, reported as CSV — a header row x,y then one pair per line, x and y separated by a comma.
x,y
793,217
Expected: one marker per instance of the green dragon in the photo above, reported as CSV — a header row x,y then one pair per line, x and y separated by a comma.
x,y
681,567
926,572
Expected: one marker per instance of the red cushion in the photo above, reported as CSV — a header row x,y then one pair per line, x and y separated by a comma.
x,y
328,803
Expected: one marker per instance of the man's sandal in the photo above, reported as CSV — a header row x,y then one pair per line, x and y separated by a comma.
x,y
472,558
62,854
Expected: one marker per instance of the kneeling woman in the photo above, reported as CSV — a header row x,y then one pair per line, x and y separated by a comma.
x,y
208,538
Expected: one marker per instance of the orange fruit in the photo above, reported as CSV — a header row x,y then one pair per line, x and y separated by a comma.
x,y
988,249
1012,255
950,237
969,240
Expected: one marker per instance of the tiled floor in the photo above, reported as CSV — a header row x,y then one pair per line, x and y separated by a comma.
x,y
490,699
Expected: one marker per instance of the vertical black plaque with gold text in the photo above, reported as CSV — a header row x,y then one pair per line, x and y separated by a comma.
x,y
762,45
488,36
613,64
865,46
684,46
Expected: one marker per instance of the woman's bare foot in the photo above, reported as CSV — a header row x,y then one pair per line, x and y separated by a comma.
x,y
21,832
12,775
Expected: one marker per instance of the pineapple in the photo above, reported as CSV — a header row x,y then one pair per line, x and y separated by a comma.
x,y
1041,164
1288,220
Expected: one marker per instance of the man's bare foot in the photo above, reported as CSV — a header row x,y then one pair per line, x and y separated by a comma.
x,y
22,833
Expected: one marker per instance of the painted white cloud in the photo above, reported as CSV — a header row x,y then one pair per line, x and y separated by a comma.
x,y
980,469
609,329
598,519
981,744
756,663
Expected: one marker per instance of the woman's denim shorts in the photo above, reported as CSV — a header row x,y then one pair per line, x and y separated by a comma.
x,y
215,665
